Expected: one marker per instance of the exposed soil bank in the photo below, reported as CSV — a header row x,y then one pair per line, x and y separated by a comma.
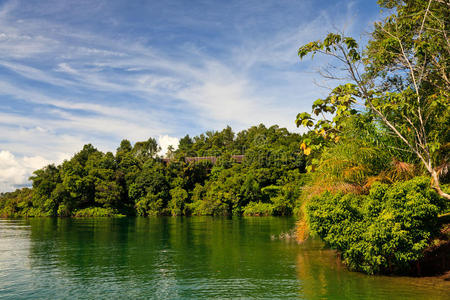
x,y
436,261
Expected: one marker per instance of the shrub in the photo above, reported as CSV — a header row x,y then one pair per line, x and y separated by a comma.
x,y
97,212
258,209
150,205
177,202
63,211
383,232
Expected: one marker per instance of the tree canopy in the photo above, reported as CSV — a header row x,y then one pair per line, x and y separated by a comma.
x,y
136,181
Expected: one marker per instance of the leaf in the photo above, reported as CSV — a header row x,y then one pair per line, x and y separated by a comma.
x,y
350,42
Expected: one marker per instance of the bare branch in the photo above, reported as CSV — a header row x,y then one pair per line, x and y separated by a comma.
x,y
424,17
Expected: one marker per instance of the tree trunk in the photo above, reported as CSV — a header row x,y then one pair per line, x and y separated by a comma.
x,y
437,187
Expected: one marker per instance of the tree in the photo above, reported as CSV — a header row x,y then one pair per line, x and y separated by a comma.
x,y
170,154
145,150
125,146
402,79
45,181
177,202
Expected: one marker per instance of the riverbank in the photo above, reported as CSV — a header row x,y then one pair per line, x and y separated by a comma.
x,y
436,260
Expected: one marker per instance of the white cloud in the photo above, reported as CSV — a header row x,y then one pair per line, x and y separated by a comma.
x,y
164,141
65,67
14,171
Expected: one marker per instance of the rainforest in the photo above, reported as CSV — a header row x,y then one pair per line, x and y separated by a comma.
x,y
136,182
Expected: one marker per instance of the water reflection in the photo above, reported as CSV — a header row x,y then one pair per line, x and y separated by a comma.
x,y
199,257
164,257
323,276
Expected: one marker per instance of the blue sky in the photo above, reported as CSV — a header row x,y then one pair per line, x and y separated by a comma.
x,y
77,72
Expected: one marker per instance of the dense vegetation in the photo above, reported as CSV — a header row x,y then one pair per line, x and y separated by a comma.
x,y
373,137
382,232
135,181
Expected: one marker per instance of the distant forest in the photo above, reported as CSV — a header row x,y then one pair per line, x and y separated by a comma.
x,y
136,181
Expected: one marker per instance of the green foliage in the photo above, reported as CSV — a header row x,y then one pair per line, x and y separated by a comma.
x,y
352,161
96,212
401,80
177,202
135,181
63,211
383,232
258,209
145,150
389,122
150,205
18,203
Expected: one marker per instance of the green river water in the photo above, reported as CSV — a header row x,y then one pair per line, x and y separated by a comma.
x,y
178,258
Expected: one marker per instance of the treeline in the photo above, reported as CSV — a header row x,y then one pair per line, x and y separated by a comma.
x,y
136,181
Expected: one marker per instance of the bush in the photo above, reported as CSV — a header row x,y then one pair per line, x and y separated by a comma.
x,y
150,205
97,212
63,211
383,232
258,209
177,202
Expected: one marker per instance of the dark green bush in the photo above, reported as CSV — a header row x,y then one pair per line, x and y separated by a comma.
x,y
383,232
97,212
258,209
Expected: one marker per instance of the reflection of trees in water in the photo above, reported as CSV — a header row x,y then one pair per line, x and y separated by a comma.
x,y
159,255
92,251
314,267
323,276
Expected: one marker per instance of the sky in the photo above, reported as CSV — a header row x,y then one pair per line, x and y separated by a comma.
x,y
78,72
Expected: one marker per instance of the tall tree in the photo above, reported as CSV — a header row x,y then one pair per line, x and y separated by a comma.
x,y
402,78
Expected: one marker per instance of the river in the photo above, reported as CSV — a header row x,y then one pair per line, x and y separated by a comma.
x,y
182,257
